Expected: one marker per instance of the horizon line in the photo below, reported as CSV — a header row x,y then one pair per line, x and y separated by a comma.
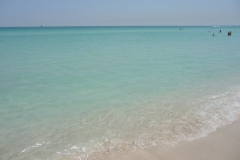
x,y
216,25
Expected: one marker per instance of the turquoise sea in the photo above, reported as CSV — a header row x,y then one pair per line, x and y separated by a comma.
x,y
88,92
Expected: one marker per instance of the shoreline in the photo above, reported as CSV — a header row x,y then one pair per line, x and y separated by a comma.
x,y
222,144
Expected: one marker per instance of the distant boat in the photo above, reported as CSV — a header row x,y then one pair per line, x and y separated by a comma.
x,y
41,25
229,33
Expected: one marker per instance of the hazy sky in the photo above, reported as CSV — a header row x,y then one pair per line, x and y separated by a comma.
x,y
118,12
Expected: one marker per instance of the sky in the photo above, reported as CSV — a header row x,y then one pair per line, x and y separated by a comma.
x,y
15,13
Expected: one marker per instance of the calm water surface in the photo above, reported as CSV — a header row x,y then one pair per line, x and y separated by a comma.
x,y
85,92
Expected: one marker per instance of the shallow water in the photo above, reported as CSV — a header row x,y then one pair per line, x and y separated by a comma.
x,y
80,92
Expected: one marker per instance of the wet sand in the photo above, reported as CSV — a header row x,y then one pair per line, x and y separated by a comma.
x,y
223,144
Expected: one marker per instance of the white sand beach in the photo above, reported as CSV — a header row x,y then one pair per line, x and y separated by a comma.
x,y
223,144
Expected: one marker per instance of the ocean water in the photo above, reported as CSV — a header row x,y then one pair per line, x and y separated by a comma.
x,y
91,92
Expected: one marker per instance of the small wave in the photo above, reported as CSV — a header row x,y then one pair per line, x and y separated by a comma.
x,y
36,145
145,128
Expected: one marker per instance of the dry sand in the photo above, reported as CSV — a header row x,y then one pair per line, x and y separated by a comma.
x,y
223,144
